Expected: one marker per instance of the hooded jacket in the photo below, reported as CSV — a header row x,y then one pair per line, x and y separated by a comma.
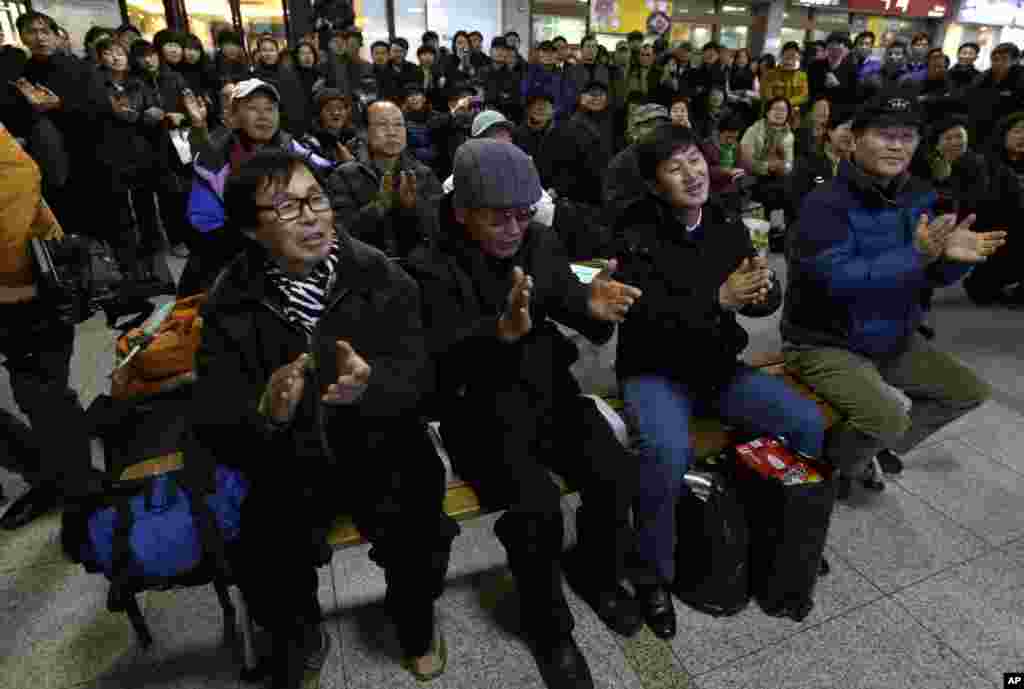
x,y
212,167
855,276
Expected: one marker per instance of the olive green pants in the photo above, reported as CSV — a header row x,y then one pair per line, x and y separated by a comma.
x,y
892,403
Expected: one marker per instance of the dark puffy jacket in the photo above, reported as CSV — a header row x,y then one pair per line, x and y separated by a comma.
x,y
354,189
464,294
577,155
989,102
678,328
855,275
420,128
501,89
372,304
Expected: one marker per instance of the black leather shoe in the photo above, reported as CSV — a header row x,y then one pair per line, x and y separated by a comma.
x,y
658,611
35,503
562,665
615,607
890,462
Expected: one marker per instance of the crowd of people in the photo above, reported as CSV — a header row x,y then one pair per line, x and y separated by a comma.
x,y
385,241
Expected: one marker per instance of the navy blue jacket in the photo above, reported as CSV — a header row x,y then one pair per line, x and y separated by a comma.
x,y
855,275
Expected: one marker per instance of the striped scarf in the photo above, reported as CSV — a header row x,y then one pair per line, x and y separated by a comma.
x,y
304,298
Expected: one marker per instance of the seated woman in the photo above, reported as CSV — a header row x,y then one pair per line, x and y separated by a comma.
x,y
992,187
333,135
310,373
810,135
678,345
766,150
819,167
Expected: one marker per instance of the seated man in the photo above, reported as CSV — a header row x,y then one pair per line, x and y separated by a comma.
x,y
859,256
385,196
679,346
310,373
510,410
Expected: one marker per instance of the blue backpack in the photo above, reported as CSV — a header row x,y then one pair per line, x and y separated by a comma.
x,y
151,532
167,528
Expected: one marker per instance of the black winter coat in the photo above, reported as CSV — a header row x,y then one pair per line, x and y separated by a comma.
x,y
677,328
354,188
989,102
846,93
577,155
373,305
464,293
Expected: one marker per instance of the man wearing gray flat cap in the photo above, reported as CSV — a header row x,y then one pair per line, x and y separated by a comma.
x,y
509,407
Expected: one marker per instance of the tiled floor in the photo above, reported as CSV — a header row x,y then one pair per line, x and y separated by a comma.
x,y
926,590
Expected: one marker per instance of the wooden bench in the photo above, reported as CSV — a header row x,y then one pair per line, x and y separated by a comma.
x,y
708,436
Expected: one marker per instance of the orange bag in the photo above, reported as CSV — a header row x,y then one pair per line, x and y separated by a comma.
x,y
167,361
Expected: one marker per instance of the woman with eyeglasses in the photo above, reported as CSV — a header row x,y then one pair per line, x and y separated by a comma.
x,y
312,366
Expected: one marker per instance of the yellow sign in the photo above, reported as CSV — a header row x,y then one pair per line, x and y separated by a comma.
x,y
624,16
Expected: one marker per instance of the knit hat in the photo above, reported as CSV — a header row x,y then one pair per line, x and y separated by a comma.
x,y
487,120
494,174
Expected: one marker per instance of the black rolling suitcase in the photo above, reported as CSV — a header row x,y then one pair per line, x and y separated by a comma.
x,y
712,548
788,501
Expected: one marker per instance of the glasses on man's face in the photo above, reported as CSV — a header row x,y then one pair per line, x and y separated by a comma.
x,y
500,218
291,209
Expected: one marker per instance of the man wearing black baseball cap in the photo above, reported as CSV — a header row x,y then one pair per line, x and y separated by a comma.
x,y
509,407
865,246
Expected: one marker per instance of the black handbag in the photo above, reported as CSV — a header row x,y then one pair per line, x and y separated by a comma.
x,y
77,275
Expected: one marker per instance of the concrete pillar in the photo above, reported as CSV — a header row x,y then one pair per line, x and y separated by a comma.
x,y
770,16
515,16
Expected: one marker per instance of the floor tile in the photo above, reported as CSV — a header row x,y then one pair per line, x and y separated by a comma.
x,y
56,630
977,608
1004,443
875,647
705,642
971,489
894,538
988,418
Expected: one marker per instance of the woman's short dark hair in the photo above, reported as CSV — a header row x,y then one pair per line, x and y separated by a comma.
x,y
680,98
105,45
93,33
661,144
975,46
789,106
426,49
308,44
1008,49
838,116
269,167
379,44
267,39
25,20
866,34
792,45
920,36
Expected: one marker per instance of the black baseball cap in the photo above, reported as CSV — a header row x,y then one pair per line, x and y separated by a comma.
x,y
897,108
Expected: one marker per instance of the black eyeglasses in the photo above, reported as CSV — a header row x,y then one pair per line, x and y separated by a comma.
x,y
292,208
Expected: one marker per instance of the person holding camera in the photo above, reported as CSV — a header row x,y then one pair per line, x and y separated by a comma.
x,y
36,342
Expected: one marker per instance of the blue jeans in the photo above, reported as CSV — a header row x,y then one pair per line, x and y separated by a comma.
x,y
659,410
